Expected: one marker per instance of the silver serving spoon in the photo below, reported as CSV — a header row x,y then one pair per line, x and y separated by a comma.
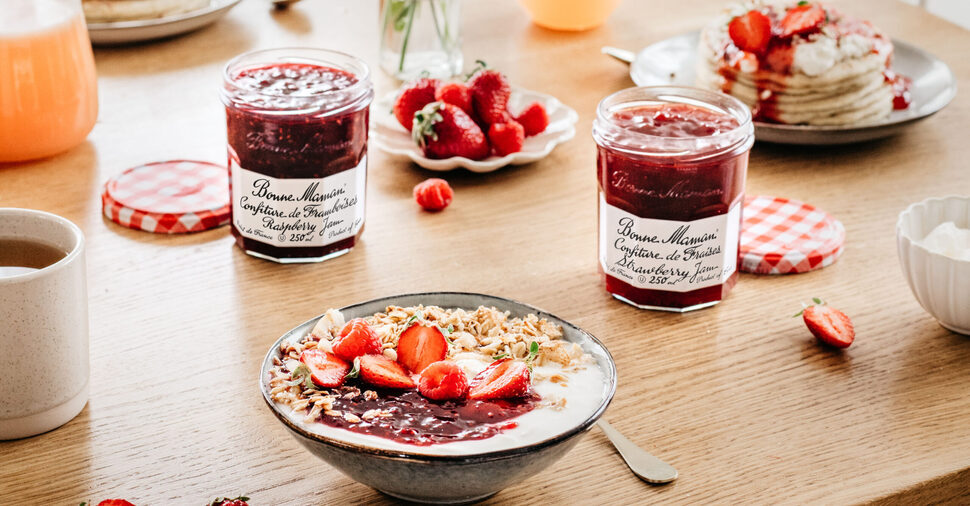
x,y
622,55
649,468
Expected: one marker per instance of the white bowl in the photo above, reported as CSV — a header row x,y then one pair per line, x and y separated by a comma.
x,y
941,284
389,136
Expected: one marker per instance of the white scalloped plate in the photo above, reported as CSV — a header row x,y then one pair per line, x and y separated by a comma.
x,y
389,136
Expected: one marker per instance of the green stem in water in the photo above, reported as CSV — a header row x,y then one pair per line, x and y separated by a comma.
x,y
437,26
407,35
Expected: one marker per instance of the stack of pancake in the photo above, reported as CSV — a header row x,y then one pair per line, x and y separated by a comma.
x,y
109,11
834,73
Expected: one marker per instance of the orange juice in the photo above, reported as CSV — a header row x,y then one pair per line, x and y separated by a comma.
x,y
573,15
48,87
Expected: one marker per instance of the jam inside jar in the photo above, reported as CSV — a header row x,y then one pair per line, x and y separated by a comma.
x,y
671,166
297,139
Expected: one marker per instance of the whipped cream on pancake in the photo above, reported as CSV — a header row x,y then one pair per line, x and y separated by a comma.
x,y
800,62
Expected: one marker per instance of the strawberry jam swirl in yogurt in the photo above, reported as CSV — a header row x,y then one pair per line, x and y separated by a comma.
x,y
297,140
671,167
443,381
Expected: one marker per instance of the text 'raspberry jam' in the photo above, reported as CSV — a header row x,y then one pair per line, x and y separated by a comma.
x,y
671,167
297,136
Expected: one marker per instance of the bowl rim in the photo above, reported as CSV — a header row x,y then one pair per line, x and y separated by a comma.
x,y
904,235
611,381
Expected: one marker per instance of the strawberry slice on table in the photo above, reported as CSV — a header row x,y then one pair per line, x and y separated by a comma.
x,y
115,502
443,380
490,95
455,94
444,130
751,31
326,369
828,325
420,346
413,98
503,379
356,338
381,371
805,18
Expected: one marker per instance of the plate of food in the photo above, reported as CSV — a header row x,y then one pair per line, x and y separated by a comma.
x,y
811,74
482,125
113,22
438,397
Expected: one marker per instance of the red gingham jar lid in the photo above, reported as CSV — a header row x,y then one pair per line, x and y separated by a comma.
x,y
784,236
170,197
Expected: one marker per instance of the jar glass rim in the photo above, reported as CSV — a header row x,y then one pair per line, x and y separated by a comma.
x,y
361,90
718,102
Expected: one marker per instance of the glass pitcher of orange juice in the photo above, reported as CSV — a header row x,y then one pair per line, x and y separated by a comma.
x,y
48,86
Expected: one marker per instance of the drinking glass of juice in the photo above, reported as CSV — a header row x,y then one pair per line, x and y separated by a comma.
x,y
48,86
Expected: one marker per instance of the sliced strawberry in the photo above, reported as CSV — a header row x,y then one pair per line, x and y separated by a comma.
x,y
326,369
419,346
381,371
443,380
533,119
751,31
829,325
356,338
780,58
455,94
413,98
115,502
503,379
805,18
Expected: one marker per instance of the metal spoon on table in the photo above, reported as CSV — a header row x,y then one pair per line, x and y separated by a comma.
x,y
649,468
622,55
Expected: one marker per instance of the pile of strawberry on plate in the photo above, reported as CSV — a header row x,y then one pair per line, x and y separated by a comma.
x,y
480,123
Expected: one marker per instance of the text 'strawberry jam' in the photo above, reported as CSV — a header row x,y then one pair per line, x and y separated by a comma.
x,y
297,134
671,167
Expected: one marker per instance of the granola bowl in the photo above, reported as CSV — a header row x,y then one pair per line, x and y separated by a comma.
x,y
442,451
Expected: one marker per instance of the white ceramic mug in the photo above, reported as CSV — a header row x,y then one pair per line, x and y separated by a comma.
x,y
44,365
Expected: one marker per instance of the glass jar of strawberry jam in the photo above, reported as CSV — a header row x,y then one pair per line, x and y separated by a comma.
x,y
297,135
671,167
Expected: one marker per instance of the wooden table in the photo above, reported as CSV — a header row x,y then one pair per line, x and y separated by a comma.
x,y
738,397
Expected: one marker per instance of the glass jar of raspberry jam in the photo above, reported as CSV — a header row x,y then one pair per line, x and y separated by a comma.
x,y
297,137
671,166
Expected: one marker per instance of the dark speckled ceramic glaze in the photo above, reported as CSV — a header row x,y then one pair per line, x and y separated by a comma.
x,y
445,479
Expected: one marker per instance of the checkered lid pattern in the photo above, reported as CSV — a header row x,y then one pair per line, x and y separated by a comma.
x,y
784,236
170,197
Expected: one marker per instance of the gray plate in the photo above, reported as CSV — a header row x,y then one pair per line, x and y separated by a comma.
x,y
674,60
127,32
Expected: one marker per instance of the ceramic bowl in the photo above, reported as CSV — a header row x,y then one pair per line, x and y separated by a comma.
x,y
389,136
941,284
444,479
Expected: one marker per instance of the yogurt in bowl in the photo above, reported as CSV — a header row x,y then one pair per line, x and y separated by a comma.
x,y
401,442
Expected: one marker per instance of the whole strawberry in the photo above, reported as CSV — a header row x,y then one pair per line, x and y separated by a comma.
x,y
455,94
490,95
506,137
533,119
412,98
829,325
444,130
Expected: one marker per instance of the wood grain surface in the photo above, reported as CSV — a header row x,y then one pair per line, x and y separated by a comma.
x,y
738,397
